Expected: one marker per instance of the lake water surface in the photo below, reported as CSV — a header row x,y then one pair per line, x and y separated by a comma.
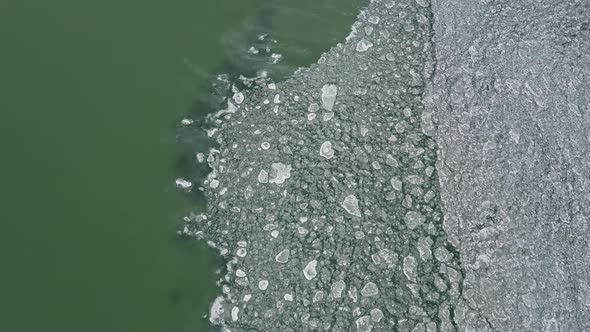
x,y
90,96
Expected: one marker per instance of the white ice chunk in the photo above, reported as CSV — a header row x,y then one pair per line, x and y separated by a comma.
x,y
363,45
337,288
187,122
275,57
396,183
242,252
183,184
351,205
363,324
319,295
414,219
309,271
410,268
234,313
423,3
374,19
329,92
238,97
283,256
279,173
263,284
326,150
370,289
216,310
263,176
376,315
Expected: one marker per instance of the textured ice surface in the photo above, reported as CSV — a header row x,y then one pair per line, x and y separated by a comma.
x,y
336,206
370,247
510,110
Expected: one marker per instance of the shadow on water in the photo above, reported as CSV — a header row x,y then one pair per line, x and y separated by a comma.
x,y
283,36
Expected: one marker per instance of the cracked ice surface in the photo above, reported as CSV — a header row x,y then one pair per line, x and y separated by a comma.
x,y
330,236
510,109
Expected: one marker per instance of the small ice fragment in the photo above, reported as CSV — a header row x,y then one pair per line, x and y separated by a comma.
x,y
263,176
416,180
318,296
326,150
423,3
414,219
265,145
214,183
216,310
309,271
263,284
187,122
363,324
277,99
329,92
234,313
282,256
272,86
279,173
351,205
183,184
396,183
238,97
374,19
200,157
376,315
337,288
288,297
409,268
363,45
253,50
311,116
241,252
275,57
370,289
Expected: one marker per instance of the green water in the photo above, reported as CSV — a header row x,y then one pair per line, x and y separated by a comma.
x,y
90,92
